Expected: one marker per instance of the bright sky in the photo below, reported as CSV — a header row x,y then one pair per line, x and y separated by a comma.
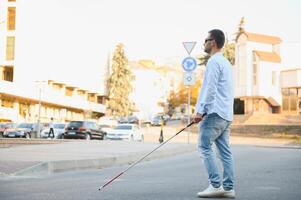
x,y
70,40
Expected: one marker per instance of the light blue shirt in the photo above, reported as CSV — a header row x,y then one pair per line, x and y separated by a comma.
x,y
216,93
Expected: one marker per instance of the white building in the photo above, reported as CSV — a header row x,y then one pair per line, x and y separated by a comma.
x,y
29,101
152,85
256,72
261,83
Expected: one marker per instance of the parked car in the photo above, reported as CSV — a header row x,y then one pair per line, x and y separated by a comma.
x,y
129,132
5,126
157,120
25,130
185,118
58,129
83,130
131,119
106,129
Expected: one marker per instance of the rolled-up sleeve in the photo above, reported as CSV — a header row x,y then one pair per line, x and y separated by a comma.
x,y
208,91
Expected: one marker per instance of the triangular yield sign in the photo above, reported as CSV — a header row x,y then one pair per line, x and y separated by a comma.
x,y
189,46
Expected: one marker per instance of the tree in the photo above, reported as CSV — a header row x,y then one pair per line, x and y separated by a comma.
x,y
228,52
119,84
181,97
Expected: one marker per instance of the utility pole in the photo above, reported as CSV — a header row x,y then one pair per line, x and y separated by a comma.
x,y
39,114
39,111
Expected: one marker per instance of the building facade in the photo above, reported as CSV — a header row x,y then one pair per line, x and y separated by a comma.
x,y
37,100
261,83
7,39
256,72
291,90
152,85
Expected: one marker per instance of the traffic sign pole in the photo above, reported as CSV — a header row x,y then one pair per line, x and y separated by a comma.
x,y
188,113
189,64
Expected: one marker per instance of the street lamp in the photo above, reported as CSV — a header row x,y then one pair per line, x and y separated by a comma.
x,y
40,103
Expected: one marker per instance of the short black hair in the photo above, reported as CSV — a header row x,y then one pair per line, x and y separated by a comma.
x,y
218,36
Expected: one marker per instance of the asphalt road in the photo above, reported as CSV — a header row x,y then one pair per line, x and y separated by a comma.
x,y
261,173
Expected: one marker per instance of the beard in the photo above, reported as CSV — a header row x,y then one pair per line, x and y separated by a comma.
x,y
207,50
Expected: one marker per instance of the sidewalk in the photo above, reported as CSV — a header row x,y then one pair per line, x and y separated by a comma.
x,y
21,157
43,159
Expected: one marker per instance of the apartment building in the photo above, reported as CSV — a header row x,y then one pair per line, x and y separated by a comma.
x,y
152,85
37,100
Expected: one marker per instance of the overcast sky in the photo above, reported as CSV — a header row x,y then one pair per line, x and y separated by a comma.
x,y
59,38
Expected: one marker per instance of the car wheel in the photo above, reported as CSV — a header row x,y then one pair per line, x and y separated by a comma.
x,y
88,137
27,136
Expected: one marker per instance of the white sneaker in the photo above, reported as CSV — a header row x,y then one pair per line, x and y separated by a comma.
x,y
229,194
212,192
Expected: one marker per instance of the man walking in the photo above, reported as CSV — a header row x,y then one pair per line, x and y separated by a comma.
x,y
51,127
214,109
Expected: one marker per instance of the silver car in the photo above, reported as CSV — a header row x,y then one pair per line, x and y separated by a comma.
x,y
129,132
58,129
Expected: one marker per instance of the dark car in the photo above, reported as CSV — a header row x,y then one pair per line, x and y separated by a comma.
x,y
83,130
5,126
26,130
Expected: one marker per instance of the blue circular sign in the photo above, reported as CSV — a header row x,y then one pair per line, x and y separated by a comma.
x,y
189,64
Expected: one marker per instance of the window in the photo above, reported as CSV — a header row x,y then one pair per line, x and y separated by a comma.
x,y
56,86
285,92
290,100
254,70
274,78
10,48
285,104
293,103
254,74
293,91
91,97
68,91
11,17
7,103
8,73
80,92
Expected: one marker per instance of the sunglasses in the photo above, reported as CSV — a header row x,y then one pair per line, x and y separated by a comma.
x,y
209,39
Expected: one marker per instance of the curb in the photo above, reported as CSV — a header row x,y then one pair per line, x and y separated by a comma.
x,y
47,168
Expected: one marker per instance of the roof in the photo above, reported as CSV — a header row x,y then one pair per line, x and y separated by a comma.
x,y
254,37
268,56
273,102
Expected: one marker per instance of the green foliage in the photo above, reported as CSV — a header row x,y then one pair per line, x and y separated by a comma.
x,y
119,84
181,97
228,52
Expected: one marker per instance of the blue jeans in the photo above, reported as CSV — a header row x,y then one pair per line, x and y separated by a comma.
x,y
215,129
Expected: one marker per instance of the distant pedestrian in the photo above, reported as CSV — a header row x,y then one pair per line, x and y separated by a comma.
x,y
51,127
214,109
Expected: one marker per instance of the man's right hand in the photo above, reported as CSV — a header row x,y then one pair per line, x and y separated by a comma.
x,y
197,118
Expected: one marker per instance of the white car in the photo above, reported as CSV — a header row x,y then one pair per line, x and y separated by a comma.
x,y
59,130
129,132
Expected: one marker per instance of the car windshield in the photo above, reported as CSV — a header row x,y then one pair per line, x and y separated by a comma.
x,y
123,127
59,126
25,125
76,123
